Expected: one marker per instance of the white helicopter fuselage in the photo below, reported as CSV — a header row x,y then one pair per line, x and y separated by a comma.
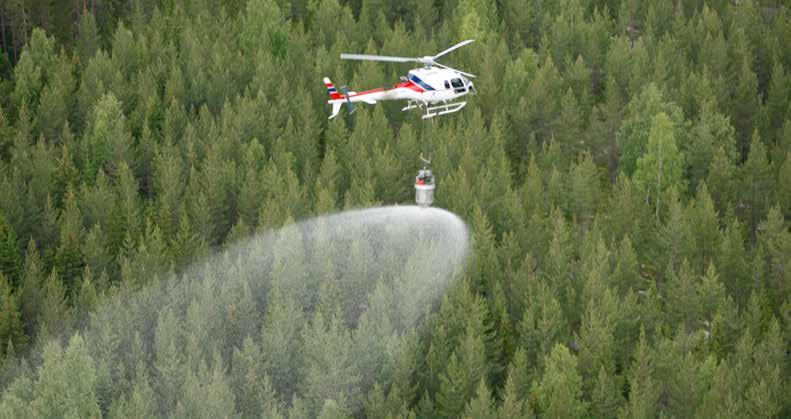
x,y
422,87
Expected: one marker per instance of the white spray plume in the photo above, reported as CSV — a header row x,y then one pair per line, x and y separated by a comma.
x,y
328,302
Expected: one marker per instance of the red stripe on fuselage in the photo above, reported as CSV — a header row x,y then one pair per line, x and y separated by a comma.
x,y
366,92
411,86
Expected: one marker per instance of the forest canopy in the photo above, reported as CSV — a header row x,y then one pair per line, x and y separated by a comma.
x,y
625,171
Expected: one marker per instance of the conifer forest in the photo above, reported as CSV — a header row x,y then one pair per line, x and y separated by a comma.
x,y
184,233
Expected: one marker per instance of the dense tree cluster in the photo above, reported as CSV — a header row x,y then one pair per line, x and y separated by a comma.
x,y
625,170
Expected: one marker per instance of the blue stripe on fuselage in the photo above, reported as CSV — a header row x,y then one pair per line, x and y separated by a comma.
x,y
419,82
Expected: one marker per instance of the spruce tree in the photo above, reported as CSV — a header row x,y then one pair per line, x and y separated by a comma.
x,y
10,258
482,406
54,316
452,391
513,405
756,185
559,393
643,394
11,326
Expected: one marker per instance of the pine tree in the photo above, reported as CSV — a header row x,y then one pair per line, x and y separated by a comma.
x,y
513,405
141,403
567,127
704,226
169,188
10,259
128,222
330,371
777,101
97,252
584,189
683,298
32,285
88,37
280,336
776,240
11,326
54,316
205,393
187,244
606,397
709,133
626,275
57,99
484,270
627,214
542,325
452,391
86,296
168,360
559,393
783,189
762,395
68,257
33,70
721,179
721,399
66,381
110,143
756,185
643,394
97,202
745,99
726,327
675,239
482,406
7,134
596,340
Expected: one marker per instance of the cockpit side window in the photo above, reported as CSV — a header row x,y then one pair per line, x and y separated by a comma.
x,y
458,86
447,85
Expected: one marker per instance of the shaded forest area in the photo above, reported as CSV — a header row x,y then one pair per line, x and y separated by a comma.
x,y
625,170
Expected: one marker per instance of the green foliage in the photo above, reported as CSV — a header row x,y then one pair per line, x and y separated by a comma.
x,y
109,143
32,72
139,137
559,392
481,406
11,330
660,167
641,122
10,258
66,385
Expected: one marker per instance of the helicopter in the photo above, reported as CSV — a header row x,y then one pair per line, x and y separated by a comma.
x,y
435,87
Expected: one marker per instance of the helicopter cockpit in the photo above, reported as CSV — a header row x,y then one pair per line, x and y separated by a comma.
x,y
459,85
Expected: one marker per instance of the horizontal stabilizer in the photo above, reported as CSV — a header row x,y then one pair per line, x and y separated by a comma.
x,y
336,108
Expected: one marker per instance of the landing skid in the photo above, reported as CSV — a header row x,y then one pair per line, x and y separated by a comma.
x,y
432,111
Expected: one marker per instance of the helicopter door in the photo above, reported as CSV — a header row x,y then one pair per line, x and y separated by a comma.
x,y
458,86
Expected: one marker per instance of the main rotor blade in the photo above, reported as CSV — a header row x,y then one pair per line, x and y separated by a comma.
x,y
366,57
472,76
459,45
